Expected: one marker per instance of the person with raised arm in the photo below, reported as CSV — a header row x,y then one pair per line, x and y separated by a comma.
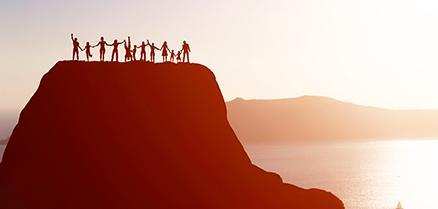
x,y
153,48
128,55
102,43
76,47
164,49
87,49
172,56
143,51
186,51
115,46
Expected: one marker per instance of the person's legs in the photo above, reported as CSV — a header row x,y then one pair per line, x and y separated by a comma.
x,y
102,55
188,57
184,57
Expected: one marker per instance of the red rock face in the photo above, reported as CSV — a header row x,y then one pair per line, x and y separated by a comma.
x,y
136,135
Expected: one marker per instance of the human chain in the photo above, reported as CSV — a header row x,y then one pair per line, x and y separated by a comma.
x,y
130,54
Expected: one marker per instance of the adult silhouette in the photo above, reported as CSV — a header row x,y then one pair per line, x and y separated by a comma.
x,y
186,51
143,51
102,43
76,47
87,49
153,48
128,55
115,53
172,55
164,49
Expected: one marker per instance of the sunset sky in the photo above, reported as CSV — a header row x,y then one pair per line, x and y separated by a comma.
x,y
371,52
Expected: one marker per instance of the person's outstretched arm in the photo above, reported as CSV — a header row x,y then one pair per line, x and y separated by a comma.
x,y
95,45
71,36
188,47
81,48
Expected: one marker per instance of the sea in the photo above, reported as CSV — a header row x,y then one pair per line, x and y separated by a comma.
x,y
365,175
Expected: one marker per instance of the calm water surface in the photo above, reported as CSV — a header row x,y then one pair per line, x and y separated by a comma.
x,y
371,175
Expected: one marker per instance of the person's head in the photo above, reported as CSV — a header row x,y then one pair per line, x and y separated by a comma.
x,y
184,42
152,44
135,46
142,43
76,39
101,38
172,50
115,40
165,42
88,43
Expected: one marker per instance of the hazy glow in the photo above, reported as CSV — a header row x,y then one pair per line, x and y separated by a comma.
x,y
415,162
372,175
374,52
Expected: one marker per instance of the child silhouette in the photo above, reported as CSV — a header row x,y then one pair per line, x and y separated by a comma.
x,y
178,56
134,50
87,49
172,56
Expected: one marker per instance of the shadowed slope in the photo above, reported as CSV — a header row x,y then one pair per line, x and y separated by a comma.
x,y
136,135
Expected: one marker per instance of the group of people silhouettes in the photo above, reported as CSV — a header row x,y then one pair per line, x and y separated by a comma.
x,y
130,53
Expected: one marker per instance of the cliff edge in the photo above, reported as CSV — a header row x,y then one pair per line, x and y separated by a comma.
x,y
136,135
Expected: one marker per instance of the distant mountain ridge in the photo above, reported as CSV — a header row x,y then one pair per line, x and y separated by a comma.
x,y
322,119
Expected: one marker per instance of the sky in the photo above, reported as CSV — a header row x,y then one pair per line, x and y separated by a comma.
x,y
371,52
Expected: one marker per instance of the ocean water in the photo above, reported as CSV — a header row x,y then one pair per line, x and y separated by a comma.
x,y
370,175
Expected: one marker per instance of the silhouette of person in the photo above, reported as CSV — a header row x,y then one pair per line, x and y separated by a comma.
x,y
76,47
178,56
143,51
134,50
186,50
164,49
172,56
115,53
102,44
128,55
153,48
87,49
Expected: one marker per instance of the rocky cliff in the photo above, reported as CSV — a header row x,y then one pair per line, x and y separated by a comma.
x,y
136,135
